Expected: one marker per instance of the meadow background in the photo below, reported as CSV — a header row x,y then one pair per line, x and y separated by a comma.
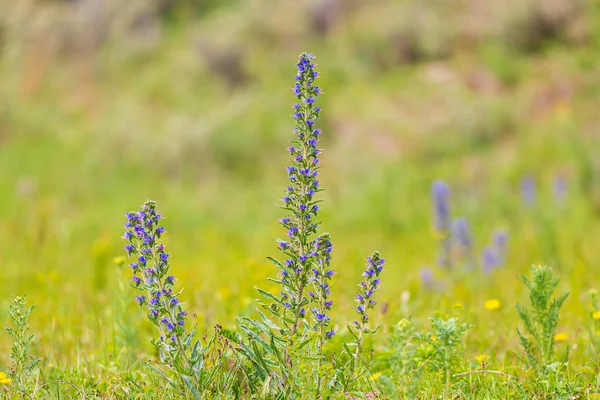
x,y
104,104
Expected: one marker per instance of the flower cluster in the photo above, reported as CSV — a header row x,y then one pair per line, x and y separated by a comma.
x,y
322,289
462,235
368,287
440,193
151,272
302,252
494,254
528,190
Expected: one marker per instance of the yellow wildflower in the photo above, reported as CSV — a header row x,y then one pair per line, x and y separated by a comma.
x,y
481,358
375,376
561,336
596,315
492,304
4,379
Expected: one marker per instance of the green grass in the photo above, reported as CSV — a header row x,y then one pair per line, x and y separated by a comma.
x,y
82,147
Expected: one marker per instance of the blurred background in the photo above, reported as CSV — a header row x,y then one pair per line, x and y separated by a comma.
x,y
106,103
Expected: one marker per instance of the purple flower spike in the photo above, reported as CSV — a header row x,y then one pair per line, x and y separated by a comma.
x,y
150,270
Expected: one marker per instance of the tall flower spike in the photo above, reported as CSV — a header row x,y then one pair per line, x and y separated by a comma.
x,y
366,303
368,287
440,193
322,289
500,243
463,237
301,224
489,259
528,190
151,274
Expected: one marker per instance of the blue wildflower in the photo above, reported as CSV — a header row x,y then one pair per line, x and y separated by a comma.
x,y
462,235
440,193
152,267
528,190
368,286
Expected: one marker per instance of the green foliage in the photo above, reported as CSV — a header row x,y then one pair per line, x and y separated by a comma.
x,y
541,321
24,369
413,359
89,123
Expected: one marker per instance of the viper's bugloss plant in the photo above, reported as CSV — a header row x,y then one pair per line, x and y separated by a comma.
x,y
540,321
357,366
528,190
494,254
440,194
22,375
304,255
301,308
287,347
143,232
464,239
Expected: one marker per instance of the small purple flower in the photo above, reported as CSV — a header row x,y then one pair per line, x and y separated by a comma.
x,y
130,249
293,231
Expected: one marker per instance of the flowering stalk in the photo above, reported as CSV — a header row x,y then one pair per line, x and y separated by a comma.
x,y
462,234
440,193
500,242
494,254
528,190
320,282
367,289
301,224
151,277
